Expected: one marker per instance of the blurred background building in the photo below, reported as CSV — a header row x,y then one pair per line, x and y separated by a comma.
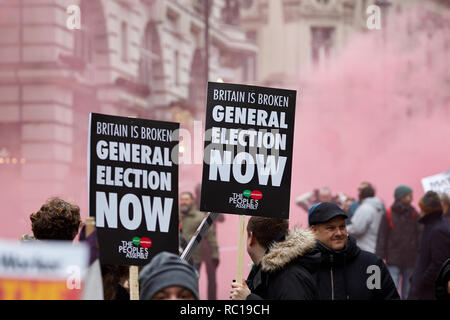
x,y
130,58
295,36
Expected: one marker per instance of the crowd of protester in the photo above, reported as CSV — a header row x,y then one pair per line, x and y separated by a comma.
x,y
413,244
352,250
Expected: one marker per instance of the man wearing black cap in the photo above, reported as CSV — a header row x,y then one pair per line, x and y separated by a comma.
x,y
346,272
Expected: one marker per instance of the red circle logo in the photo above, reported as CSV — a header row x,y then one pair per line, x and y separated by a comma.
x,y
256,195
145,243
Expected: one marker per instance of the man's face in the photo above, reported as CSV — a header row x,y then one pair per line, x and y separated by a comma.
x,y
250,246
186,202
174,293
407,200
332,234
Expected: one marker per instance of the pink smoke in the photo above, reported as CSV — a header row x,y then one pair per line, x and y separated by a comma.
x,y
379,112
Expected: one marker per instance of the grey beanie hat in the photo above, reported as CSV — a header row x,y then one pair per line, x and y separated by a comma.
x,y
402,191
166,270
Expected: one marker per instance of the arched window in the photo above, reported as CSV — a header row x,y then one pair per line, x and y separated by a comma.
x,y
84,37
321,43
150,64
197,83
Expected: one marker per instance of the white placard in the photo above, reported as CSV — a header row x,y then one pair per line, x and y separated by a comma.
x,y
42,260
439,183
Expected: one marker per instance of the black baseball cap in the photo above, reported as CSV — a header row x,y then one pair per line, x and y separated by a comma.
x,y
323,212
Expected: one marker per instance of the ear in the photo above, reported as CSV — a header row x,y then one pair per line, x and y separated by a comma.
x,y
251,239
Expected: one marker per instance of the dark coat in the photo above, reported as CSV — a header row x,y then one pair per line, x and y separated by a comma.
x,y
398,244
434,249
284,272
442,280
351,274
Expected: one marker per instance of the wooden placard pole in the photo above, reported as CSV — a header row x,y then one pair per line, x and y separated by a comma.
x,y
134,284
89,226
240,250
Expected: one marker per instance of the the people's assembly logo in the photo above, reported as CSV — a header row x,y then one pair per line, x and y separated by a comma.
x,y
246,200
137,248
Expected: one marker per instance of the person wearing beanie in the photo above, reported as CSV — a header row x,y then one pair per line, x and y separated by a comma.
x,y
343,270
401,192
434,248
167,277
398,238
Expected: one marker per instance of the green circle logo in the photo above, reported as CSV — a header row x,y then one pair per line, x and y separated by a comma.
x,y
136,241
247,193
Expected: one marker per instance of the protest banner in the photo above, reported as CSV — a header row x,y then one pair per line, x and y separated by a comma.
x,y
39,270
439,183
249,137
133,187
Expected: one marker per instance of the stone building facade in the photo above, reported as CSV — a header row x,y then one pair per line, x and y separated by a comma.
x,y
137,58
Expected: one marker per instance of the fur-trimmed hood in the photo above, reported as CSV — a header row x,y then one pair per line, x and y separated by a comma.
x,y
298,242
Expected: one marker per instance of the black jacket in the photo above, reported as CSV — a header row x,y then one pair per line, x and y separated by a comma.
x,y
434,249
353,274
398,244
284,272
442,280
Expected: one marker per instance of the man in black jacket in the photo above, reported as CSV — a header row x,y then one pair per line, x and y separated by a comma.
x,y
442,285
434,248
282,263
346,272
398,238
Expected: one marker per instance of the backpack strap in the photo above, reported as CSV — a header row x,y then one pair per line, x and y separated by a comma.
x,y
389,217
414,214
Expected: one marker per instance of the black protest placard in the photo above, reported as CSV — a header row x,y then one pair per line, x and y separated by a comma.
x,y
133,187
249,135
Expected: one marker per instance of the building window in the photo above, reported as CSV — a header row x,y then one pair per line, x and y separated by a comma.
x,y
124,37
230,12
321,43
248,69
83,38
251,35
177,68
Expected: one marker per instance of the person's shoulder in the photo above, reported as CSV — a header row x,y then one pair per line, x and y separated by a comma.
x,y
293,273
194,213
365,205
441,229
